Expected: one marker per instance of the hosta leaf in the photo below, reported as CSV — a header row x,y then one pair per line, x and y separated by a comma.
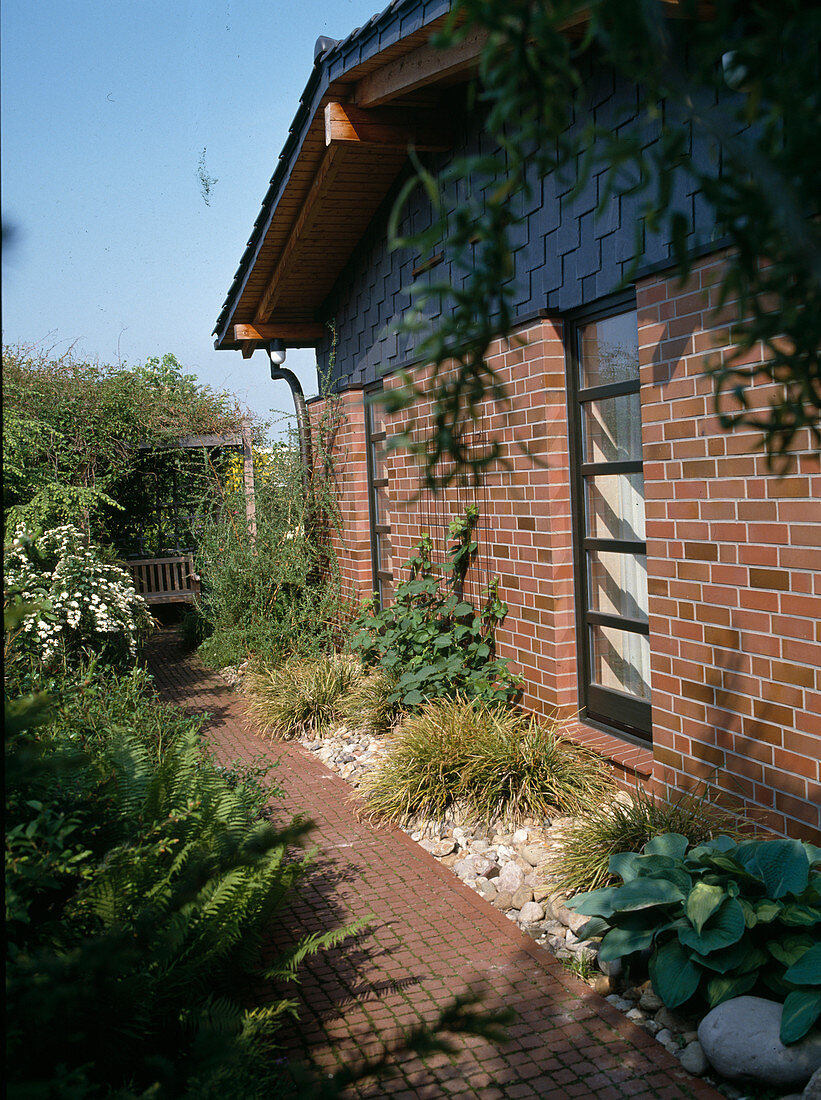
x,y
740,957
807,969
725,927
803,915
702,902
750,918
718,844
625,864
801,1009
725,986
624,941
596,926
767,910
789,949
594,903
668,844
813,852
643,893
784,866
674,975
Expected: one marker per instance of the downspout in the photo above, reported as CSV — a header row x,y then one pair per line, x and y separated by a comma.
x,y
276,353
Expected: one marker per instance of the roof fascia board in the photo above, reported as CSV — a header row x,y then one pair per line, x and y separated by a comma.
x,y
399,19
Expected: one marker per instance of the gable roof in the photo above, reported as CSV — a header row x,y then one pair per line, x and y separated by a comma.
x,y
336,167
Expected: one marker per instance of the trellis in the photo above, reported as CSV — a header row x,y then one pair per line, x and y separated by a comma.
x,y
172,578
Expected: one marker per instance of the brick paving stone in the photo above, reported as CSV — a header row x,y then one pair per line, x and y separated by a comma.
x,y
428,939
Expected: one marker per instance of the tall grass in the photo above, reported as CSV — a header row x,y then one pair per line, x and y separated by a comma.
x,y
466,756
305,695
626,826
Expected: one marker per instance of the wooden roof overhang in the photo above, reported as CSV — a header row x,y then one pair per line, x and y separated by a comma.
x,y
348,143
327,188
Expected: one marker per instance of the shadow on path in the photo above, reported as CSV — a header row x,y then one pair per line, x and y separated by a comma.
x,y
428,939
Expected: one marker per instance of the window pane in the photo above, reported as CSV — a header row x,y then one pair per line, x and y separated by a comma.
x,y
384,554
609,350
618,584
376,416
380,469
381,506
615,506
620,660
612,429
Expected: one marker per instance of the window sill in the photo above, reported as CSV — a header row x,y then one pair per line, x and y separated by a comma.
x,y
626,754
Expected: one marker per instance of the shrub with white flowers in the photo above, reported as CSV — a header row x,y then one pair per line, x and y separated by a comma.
x,y
85,604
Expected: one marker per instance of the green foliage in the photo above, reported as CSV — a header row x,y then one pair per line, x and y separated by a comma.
x,y
279,593
71,432
740,83
305,695
141,881
584,860
432,640
461,755
84,605
722,919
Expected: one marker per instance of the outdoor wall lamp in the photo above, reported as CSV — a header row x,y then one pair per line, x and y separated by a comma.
x,y
277,352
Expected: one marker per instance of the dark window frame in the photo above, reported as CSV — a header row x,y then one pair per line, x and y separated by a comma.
x,y
606,708
377,530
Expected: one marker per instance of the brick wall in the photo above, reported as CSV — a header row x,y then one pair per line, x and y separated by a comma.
x,y
734,560
344,420
734,564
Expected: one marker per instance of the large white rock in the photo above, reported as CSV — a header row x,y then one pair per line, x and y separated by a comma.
x,y
511,878
741,1040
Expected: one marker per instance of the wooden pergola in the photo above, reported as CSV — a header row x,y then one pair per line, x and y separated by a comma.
x,y
172,578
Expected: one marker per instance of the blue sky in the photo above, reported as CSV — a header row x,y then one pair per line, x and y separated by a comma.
x,y
107,106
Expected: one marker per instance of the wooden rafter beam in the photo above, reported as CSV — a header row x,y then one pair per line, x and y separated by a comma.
x,y
389,128
422,66
296,334
307,215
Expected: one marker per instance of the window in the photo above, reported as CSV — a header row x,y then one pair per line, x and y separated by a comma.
x,y
379,501
608,491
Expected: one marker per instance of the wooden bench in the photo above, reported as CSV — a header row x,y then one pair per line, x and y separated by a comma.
x,y
166,580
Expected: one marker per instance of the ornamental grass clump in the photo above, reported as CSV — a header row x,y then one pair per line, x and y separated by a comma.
x,y
517,768
472,757
626,826
421,774
304,695
372,704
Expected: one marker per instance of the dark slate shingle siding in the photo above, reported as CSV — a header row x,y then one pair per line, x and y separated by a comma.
x,y
565,257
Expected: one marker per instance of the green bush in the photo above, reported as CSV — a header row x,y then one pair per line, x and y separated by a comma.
x,y
584,860
721,918
141,884
305,695
278,594
84,605
465,755
430,639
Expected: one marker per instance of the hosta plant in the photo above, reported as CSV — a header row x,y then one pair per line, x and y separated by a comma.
x,y
721,919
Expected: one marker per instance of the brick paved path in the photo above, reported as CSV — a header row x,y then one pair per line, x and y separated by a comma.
x,y
429,938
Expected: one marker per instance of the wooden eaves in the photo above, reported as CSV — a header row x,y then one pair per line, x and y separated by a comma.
x,y
354,149
328,190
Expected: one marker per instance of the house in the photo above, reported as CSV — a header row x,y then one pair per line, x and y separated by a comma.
x,y
663,585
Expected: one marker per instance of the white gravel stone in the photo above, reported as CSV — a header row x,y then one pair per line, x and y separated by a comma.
x,y
693,1059
531,912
